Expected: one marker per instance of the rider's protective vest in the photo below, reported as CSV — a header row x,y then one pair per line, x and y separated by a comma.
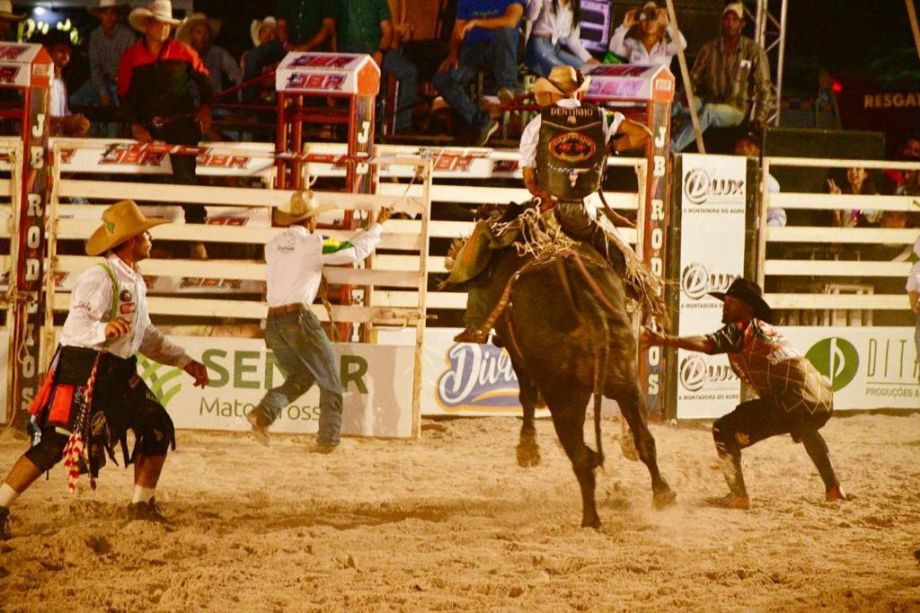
x,y
571,151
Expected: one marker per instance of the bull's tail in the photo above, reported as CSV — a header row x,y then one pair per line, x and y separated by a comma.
x,y
600,376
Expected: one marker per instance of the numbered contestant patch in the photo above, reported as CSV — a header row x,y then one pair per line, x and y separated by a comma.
x,y
572,147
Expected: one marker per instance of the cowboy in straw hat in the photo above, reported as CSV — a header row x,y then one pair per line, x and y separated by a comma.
x,y
794,397
7,19
199,31
93,394
294,267
563,157
263,30
157,78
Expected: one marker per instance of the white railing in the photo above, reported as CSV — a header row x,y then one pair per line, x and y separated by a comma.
x,y
829,287
69,222
10,190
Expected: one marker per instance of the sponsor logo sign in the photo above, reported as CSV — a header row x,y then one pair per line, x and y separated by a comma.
x,y
713,200
377,402
869,368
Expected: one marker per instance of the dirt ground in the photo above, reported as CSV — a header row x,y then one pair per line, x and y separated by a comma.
x,y
451,522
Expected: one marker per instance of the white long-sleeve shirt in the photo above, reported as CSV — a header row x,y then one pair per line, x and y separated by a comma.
x,y
557,26
91,309
530,137
295,260
635,52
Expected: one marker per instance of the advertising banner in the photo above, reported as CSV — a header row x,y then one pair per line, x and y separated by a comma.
x,y
712,243
376,381
466,379
870,368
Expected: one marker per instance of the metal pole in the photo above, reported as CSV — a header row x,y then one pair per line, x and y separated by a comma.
x,y
912,16
779,64
685,75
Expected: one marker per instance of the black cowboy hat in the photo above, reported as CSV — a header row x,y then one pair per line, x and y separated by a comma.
x,y
749,292
53,37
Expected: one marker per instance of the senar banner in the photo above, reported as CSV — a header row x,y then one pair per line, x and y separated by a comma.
x,y
376,381
712,243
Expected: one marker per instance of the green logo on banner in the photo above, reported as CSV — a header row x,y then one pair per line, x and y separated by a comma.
x,y
837,359
159,379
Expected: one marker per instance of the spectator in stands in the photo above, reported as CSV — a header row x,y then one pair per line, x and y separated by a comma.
x,y
155,79
199,31
749,145
909,152
365,26
731,79
307,25
858,182
485,37
63,122
107,43
913,293
646,37
554,23
8,19
267,51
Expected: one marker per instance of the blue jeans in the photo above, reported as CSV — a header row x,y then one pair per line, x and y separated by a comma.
x,y
718,115
498,56
542,56
396,64
305,356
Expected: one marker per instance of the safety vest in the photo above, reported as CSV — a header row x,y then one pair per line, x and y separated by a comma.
x,y
571,151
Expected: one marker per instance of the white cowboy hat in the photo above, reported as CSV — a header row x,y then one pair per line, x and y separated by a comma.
x,y
107,4
120,222
257,25
562,81
6,11
184,32
161,10
734,7
302,205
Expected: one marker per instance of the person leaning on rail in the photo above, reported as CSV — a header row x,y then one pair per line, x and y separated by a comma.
x,y
93,394
793,397
294,269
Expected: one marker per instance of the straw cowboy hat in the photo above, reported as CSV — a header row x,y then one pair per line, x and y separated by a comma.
x,y
257,25
562,81
120,222
184,33
6,11
107,4
749,292
302,205
161,10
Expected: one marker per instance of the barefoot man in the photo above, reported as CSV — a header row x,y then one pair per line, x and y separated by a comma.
x,y
93,395
794,398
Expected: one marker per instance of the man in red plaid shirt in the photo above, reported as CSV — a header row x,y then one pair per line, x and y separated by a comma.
x,y
793,397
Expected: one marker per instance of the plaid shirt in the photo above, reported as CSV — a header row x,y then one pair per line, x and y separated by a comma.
x,y
740,78
762,357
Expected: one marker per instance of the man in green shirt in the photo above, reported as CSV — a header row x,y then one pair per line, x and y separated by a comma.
x,y
307,25
366,26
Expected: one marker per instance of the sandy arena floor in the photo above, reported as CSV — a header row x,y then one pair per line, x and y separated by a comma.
x,y
451,522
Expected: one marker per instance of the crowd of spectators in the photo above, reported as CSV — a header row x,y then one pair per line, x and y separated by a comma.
x,y
730,75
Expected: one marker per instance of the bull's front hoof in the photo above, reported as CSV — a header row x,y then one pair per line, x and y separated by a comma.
x,y
589,522
664,499
528,454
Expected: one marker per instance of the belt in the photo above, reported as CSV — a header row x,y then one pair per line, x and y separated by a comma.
x,y
287,308
161,120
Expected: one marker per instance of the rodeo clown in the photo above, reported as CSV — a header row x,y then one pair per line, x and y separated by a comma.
x,y
793,397
564,158
93,395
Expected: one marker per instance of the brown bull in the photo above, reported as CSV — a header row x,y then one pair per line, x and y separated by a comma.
x,y
563,320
